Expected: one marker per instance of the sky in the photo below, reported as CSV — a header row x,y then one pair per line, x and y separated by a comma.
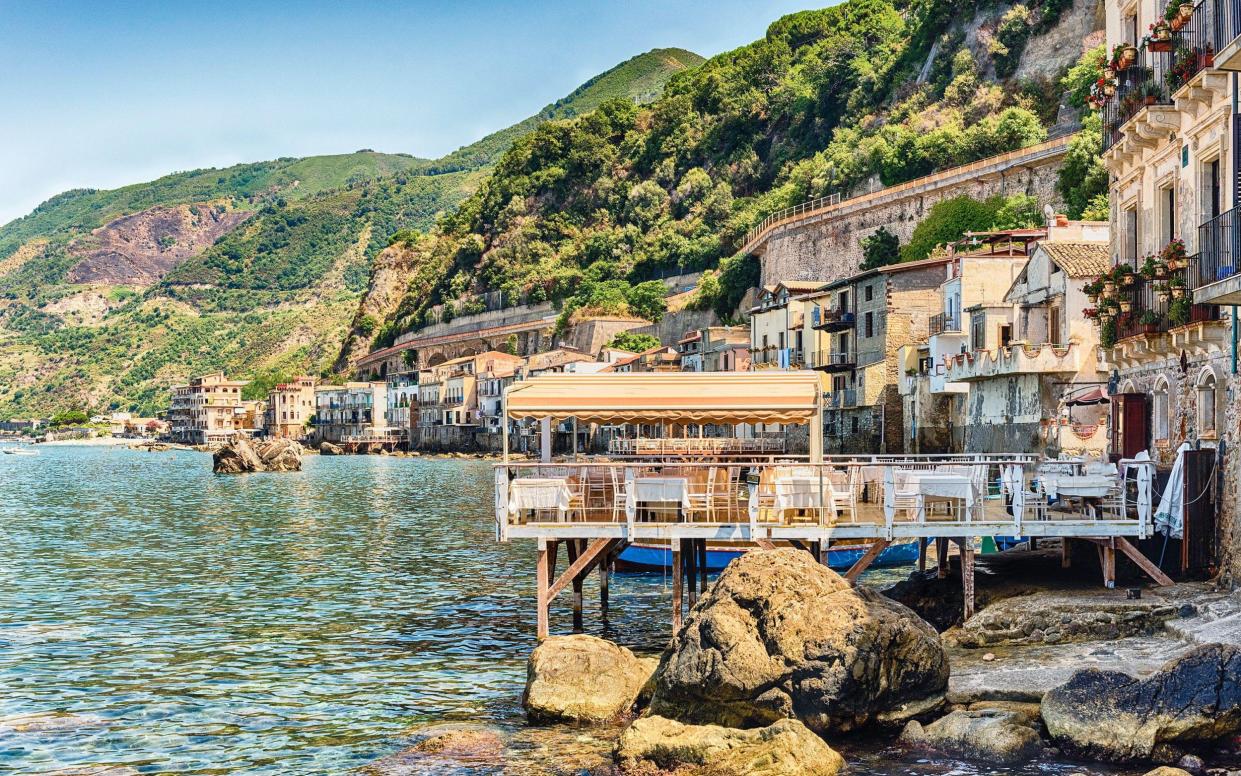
x,y
102,94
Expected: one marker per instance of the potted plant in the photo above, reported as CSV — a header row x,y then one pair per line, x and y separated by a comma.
x,y
1126,305
1153,268
1178,312
1090,313
1177,14
1123,274
1124,55
1177,286
1158,37
1109,286
1107,334
1148,322
1173,254
1161,292
1093,290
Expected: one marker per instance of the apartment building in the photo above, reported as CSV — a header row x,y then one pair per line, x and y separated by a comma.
x,y
352,413
715,349
974,315
401,411
449,410
1170,134
207,410
856,327
290,408
777,325
1027,365
662,358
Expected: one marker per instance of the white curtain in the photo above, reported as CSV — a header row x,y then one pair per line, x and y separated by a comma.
x,y
1168,517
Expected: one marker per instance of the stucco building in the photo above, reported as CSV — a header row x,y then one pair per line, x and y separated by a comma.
x,y
290,407
207,410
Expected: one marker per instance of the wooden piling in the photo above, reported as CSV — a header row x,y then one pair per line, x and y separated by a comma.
x,y
967,574
702,566
574,550
922,544
690,548
1066,553
541,577
605,574
941,557
676,586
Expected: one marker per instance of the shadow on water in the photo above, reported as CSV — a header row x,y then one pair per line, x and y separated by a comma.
x,y
157,618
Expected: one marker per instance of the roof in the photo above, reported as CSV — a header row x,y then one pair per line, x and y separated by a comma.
x,y
801,285
690,397
1079,259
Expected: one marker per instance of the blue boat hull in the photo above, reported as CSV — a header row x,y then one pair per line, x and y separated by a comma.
x,y
639,557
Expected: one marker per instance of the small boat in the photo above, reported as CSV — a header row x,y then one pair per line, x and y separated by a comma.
x,y
652,557
16,451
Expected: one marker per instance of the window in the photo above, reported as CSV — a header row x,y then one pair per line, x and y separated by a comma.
x,y
869,330
1053,326
1167,214
1206,405
870,293
1210,190
855,424
844,300
1006,334
1159,410
978,331
1127,250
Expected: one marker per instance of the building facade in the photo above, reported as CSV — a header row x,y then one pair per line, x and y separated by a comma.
x,y
207,410
777,325
352,413
290,408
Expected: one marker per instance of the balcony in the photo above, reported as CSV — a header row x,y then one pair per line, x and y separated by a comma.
x,y
942,323
1225,32
1213,275
842,399
832,319
1015,360
833,361
1140,114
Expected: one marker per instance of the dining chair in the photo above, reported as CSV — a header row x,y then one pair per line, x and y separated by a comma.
x,y
701,486
620,493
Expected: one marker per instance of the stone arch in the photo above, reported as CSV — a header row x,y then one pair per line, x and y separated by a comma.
x,y
1128,387
436,358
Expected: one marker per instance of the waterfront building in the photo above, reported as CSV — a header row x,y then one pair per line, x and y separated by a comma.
x,y
290,407
662,358
777,325
1027,364
352,414
689,348
1169,144
401,411
726,349
449,413
206,410
857,326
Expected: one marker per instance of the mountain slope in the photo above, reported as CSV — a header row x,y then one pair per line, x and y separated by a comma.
x,y
108,297
864,93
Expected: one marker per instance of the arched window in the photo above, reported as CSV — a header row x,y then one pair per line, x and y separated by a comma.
x,y
1207,396
1159,410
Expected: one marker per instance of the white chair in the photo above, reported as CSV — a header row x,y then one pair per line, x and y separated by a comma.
x,y
702,492
620,493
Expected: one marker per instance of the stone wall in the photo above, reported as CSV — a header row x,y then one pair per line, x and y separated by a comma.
x,y
827,245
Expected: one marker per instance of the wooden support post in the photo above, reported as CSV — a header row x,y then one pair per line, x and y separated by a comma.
x,y
605,573
1066,553
867,558
1107,558
922,544
676,586
553,546
702,565
541,577
690,548
574,551
580,566
765,544
967,574
1142,562
941,557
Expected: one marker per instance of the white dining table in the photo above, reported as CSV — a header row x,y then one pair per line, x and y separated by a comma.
x,y
656,490
794,491
1077,485
932,485
539,493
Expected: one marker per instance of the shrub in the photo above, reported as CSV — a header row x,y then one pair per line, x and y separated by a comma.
x,y
947,221
634,342
1082,177
1020,211
367,325
880,248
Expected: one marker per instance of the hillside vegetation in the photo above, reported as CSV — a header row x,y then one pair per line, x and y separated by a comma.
x,y
828,101
270,298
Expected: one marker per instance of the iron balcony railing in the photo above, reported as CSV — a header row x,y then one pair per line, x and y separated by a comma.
x,y
1139,86
1193,46
833,360
1142,297
831,318
842,399
1219,245
942,322
1225,21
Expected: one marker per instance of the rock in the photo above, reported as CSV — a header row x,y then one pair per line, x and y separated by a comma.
x,y
1031,711
327,448
453,743
271,455
1112,716
280,455
1038,618
993,736
779,635
1191,762
583,678
1165,770
784,748
989,657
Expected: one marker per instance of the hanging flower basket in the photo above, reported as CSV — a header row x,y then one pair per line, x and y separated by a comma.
x,y
1109,288
1185,12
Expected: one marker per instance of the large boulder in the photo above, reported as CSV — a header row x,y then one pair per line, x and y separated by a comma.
x,y
583,679
1108,715
784,748
280,455
443,748
270,455
327,448
780,636
993,736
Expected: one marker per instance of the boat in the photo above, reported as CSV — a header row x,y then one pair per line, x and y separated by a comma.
x,y
653,557
16,451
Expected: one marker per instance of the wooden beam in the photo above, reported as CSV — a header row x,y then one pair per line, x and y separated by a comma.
x,y
867,558
1142,562
702,565
967,574
1066,553
1107,557
582,563
540,586
765,544
575,548
922,544
941,557
690,548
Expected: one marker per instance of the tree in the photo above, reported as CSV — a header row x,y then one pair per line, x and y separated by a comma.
x,y
1081,76
648,300
1020,211
880,248
367,325
634,342
947,221
1082,176
69,418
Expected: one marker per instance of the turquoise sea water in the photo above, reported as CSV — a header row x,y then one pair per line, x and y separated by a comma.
x,y
156,618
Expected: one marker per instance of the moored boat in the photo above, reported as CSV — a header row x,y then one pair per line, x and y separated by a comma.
x,y
652,557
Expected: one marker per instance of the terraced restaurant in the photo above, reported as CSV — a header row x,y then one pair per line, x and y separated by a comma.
x,y
696,498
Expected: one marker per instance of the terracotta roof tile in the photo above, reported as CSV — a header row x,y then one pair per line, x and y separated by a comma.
x,y
1079,259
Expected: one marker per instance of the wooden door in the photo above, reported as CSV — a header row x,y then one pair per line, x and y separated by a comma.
x,y
1130,425
1198,545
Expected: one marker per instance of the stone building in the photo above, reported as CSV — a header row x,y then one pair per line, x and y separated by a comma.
x,y
1169,143
777,325
857,326
290,406
1045,351
352,413
206,410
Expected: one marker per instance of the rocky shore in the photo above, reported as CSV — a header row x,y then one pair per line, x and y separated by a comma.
x,y
782,662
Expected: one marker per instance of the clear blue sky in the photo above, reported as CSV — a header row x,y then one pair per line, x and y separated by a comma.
x,y
100,94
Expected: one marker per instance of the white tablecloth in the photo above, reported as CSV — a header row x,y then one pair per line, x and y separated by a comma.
x,y
538,493
923,485
664,490
1077,485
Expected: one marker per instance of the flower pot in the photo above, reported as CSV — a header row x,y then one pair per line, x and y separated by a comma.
x,y
1160,46
1177,23
1109,287
1185,12
1178,292
1109,90
1109,73
1209,59
1162,296
1126,307
1126,280
1128,56
1094,298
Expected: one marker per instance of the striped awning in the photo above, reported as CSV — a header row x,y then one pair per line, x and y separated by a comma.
x,y
684,397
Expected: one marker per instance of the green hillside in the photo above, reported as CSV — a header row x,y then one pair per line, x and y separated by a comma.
x,y
825,102
272,297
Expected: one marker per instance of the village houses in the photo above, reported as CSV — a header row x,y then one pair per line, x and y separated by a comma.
x,y
207,410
